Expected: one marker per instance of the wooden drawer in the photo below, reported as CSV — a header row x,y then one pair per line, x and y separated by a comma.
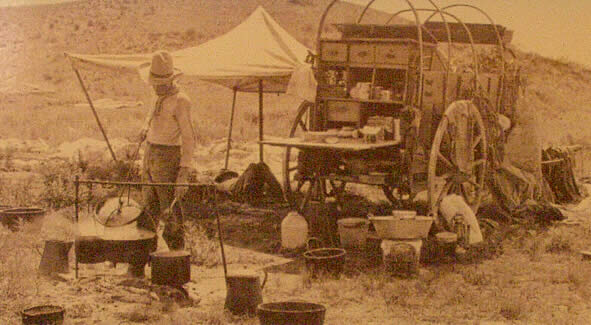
x,y
361,53
343,111
333,51
392,54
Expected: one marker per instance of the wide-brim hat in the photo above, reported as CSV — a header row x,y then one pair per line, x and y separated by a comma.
x,y
162,70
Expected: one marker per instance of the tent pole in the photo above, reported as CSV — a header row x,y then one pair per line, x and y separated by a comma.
x,y
98,121
229,144
260,120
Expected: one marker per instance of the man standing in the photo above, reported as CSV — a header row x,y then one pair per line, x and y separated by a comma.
x,y
167,155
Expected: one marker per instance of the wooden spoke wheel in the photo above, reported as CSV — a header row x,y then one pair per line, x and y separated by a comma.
x,y
458,159
301,182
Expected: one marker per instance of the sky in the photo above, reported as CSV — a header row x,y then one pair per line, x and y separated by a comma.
x,y
558,29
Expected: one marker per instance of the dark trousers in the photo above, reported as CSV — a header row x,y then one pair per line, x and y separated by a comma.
x,y
161,165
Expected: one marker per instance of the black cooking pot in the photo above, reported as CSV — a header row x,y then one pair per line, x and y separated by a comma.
x,y
324,261
133,250
172,268
10,217
291,313
43,315
89,249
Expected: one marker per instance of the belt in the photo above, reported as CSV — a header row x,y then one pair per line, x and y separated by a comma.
x,y
163,146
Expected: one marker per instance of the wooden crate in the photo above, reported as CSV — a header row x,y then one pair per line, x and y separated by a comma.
x,y
333,51
343,111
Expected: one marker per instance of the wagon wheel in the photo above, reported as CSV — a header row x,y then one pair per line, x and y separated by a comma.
x,y
457,164
301,187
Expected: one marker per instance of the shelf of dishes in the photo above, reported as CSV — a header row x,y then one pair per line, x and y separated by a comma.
x,y
377,129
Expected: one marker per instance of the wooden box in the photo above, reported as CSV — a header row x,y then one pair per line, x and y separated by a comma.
x,y
333,51
394,54
343,111
361,53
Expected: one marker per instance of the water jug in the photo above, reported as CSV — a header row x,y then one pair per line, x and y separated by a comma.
x,y
294,231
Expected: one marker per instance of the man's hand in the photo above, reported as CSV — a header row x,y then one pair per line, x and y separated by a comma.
x,y
183,177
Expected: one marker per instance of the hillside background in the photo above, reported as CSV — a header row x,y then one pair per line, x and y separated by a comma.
x,y
40,97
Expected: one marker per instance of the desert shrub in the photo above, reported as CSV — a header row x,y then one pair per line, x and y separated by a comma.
x,y
203,250
559,242
58,184
18,193
18,279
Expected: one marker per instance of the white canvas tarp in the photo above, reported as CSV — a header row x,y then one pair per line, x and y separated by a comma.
x,y
257,49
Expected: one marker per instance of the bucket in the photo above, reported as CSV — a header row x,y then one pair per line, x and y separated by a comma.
x,y
172,268
353,232
55,257
447,242
43,315
291,313
244,293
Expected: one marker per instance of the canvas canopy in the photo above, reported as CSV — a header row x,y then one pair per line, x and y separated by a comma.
x,y
256,56
257,49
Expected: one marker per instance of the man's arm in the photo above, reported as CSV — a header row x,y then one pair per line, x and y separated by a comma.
x,y
183,116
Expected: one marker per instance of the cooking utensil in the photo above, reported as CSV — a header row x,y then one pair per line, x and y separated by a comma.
x,y
55,257
89,249
291,313
116,212
324,261
12,216
133,247
172,268
43,315
244,293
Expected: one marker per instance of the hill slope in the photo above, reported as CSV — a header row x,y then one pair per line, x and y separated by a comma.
x,y
33,39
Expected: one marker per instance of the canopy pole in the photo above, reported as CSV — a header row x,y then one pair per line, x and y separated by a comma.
x,y
98,121
261,120
229,144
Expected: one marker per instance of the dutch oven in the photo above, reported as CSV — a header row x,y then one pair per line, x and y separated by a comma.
x,y
129,245
11,217
46,314
172,268
291,313
89,249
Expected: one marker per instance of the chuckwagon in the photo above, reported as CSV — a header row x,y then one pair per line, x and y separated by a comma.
x,y
394,110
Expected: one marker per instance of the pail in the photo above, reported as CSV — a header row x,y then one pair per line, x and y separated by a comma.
x,y
244,293
447,242
353,232
172,268
55,257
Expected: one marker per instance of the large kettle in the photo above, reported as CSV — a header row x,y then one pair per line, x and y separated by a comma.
x,y
244,293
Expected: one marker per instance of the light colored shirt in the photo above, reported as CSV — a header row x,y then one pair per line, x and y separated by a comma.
x,y
172,126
